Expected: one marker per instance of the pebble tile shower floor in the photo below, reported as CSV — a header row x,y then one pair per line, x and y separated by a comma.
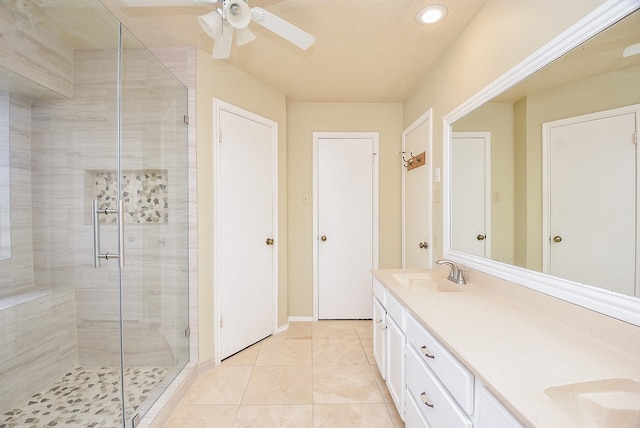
x,y
85,397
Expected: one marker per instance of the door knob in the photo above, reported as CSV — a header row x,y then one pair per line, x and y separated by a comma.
x,y
557,238
423,245
481,237
269,241
323,238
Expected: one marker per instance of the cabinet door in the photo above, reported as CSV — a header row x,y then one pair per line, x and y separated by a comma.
x,y
380,337
492,414
396,364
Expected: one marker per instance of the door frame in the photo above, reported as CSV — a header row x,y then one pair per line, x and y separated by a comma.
x,y
425,117
317,136
218,106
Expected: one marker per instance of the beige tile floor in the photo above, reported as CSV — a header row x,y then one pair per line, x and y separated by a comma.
x,y
315,374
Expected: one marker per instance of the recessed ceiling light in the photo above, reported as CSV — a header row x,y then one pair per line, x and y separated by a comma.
x,y
431,14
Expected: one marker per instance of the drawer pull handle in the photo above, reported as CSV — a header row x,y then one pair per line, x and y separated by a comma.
x,y
383,327
378,321
426,353
425,400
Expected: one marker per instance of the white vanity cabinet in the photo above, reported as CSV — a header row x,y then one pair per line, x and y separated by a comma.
x,y
389,342
430,387
444,392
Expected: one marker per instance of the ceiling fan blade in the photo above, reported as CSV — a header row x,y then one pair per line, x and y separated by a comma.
x,y
282,28
222,45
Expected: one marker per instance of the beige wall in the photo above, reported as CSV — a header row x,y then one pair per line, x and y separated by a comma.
x,y
520,154
216,79
502,34
306,118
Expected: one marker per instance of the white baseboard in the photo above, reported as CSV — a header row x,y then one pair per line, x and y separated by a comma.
x,y
300,319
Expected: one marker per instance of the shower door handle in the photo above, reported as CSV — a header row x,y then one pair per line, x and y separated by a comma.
x,y
95,216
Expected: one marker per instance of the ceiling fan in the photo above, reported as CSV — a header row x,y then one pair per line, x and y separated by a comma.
x,y
234,16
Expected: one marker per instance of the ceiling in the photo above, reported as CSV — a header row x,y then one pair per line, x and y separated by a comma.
x,y
366,50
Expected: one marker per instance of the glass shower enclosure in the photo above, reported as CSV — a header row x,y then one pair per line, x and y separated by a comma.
x,y
94,287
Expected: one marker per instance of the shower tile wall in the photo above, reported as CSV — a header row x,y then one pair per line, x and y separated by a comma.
x,y
33,60
37,343
16,274
37,327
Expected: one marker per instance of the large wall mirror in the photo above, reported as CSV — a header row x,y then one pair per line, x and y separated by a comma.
x,y
543,185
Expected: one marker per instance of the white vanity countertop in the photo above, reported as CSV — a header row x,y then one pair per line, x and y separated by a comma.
x,y
519,353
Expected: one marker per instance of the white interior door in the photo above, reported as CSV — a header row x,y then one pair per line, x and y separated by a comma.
x,y
246,228
470,190
591,207
346,201
416,197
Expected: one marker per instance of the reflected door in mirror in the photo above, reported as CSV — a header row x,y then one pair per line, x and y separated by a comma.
x,y
591,199
470,181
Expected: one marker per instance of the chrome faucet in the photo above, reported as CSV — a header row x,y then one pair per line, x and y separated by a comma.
x,y
456,274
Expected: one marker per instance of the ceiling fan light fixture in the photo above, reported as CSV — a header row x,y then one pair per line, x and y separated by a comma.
x,y
431,14
211,23
237,13
244,36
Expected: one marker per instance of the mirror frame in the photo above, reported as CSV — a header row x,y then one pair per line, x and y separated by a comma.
x,y
616,305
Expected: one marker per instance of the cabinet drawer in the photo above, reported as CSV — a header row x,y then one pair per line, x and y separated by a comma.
x,y
378,290
395,310
413,417
453,375
434,402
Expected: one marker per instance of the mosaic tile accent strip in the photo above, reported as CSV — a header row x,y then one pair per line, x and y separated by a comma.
x,y
144,193
86,397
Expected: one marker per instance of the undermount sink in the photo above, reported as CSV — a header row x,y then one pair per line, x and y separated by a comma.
x,y
601,403
425,281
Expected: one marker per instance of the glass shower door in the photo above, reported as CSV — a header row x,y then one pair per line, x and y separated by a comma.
x,y
155,197
93,301
74,161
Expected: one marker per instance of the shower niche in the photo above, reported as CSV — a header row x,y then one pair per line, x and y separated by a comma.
x,y
144,192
